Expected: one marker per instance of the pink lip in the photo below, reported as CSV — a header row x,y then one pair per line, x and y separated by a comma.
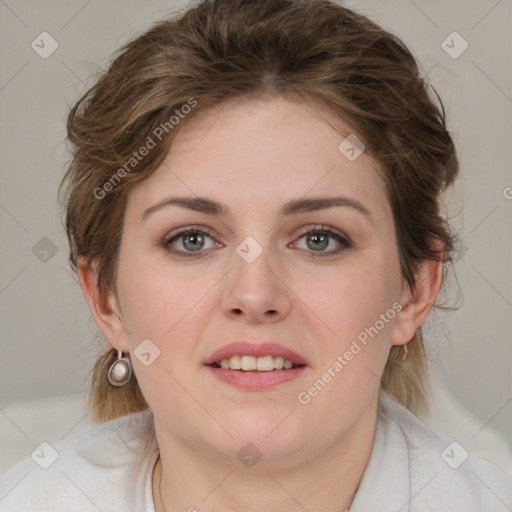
x,y
249,349
256,381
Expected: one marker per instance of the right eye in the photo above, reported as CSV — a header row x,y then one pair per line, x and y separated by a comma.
x,y
188,242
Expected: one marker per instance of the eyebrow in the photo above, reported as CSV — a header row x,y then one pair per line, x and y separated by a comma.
x,y
293,207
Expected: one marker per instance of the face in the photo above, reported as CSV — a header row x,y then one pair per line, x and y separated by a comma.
x,y
321,281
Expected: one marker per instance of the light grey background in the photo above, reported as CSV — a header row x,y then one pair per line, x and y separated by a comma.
x,y
48,341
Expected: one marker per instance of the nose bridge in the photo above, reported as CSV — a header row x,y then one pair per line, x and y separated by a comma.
x,y
253,263
255,288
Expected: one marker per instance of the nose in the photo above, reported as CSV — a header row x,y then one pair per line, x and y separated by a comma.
x,y
256,291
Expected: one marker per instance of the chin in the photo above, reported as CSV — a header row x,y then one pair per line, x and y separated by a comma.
x,y
265,443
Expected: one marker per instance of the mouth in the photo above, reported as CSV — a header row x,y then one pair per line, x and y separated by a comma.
x,y
255,367
247,363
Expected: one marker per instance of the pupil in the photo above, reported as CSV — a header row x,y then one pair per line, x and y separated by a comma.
x,y
195,239
316,237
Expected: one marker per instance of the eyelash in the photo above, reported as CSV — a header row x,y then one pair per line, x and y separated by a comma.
x,y
319,229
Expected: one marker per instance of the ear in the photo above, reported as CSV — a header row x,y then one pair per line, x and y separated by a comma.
x,y
417,303
103,305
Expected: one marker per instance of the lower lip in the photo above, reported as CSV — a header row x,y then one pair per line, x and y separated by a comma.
x,y
256,380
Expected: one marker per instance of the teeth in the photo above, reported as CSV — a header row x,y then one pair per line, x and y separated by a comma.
x,y
248,363
251,363
234,363
265,364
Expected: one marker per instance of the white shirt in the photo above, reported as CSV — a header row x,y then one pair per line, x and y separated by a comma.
x,y
109,468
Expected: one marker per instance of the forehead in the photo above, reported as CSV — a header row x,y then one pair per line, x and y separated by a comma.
x,y
261,151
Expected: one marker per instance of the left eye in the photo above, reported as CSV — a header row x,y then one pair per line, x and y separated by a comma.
x,y
319,239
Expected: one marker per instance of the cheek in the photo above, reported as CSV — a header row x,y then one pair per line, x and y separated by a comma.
x,y
350,363
154,301
353,299
171,310
159,317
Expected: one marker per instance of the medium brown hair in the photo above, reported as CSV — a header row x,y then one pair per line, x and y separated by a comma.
x,y
315,51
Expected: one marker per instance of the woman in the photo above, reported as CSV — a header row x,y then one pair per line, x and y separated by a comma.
x,y
253,211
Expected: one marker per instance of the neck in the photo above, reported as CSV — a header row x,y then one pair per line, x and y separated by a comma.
x,y
185,479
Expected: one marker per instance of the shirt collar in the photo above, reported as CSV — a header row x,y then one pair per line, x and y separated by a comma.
x,y
385,485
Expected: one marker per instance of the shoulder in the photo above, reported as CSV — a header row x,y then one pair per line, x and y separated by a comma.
x,y
100,468
443,474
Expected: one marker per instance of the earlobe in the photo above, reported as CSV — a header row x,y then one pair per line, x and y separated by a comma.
x,y
102,305
417,303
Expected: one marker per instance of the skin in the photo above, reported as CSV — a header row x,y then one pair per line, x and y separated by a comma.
x,y
253,156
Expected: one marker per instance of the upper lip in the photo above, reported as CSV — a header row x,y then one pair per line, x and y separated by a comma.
x,y
256,350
